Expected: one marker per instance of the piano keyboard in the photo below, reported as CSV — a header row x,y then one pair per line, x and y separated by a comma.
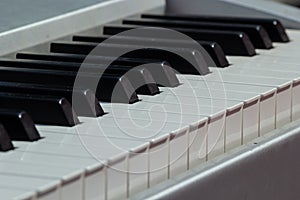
x,y
58,148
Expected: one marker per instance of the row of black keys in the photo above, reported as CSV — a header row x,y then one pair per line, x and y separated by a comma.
x,y
44,82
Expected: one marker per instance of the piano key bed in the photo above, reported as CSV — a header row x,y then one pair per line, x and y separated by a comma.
x,y
127,148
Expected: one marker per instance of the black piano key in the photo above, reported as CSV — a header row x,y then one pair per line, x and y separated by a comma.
x,y
212,48
19,125
150,42
216,52
256,33
177,62
140,78
5,141
162,73
232,42
103,90
87,103
43,109
274,27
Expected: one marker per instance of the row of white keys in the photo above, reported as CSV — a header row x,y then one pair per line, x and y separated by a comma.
x,y
67,153
153,146
170,107
283,86
47,160
79,142
162,105
113,191
187,105
259,103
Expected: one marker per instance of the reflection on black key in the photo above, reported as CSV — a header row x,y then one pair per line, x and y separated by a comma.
x,y
150,42
140,78
19,125
43,109
176,60
103,90
216,52
5,141
212,48
87,103
256,33
273,27
160,70
232,42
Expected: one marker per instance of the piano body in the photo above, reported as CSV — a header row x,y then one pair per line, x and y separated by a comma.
x,y
229,130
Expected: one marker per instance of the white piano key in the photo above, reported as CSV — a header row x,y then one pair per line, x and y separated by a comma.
x,y
233,127
50,172
235,69
22,182
47,192
284,63
280,65
29,196
14,193
116,179
197,143
76,158
95,182
78,151
216,135
296,100
178,151
251,127
216,127
283,99
138,163
30,184
250,116
158,160
267,113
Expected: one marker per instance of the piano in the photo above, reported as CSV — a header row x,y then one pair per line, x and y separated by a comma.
x,y
136,99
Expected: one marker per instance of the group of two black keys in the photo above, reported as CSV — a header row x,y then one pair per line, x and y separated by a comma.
x,y
42,84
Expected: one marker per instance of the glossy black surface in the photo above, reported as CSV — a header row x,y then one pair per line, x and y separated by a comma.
x,y
257,34
159,70
19,125
177,62
43,109
232,42
5,141
103,87
140,78
87,103
212,48
274,27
